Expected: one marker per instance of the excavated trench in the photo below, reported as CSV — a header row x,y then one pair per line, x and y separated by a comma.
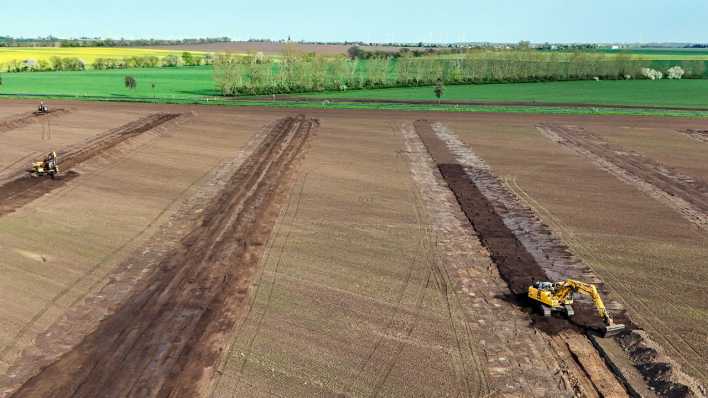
x,y
516,263
516,240
161,341
25,188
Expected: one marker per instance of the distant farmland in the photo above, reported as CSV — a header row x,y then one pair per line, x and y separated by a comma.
x,y
86,54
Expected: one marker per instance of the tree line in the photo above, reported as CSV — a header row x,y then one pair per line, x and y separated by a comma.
x,y
76,64
294,73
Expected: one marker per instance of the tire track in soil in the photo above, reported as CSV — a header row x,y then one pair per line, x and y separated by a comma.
x,y
685,194
398,306
659,329
459,363
258,283
515,263
696,135
465,362
276,270
11,123
25,188
162,339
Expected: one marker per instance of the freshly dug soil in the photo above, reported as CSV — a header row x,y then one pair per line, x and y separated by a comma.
x,y
158,343
517,266
25,188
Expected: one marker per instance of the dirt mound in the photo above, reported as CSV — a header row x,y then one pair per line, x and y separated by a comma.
x,y
162,339
21,191
515,238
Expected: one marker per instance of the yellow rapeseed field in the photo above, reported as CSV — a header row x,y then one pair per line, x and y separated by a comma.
x,y
87,54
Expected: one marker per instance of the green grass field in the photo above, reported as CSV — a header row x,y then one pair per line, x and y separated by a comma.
x,y
195,85
170,83
682,93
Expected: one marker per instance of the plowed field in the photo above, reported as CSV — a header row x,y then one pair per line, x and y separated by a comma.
x,y
205,251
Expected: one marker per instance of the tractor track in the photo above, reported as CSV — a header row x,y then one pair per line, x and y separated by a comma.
x,y
25,119
22,188
165,339
684,194
696,135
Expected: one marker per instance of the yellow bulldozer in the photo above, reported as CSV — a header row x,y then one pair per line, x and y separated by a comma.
x,y
49,166
558,297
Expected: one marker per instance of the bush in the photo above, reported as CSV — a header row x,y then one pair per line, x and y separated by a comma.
x,y
171,61
72,63
675,72
652,74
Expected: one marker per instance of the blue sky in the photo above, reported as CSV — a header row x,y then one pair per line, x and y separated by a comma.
x,y
367,20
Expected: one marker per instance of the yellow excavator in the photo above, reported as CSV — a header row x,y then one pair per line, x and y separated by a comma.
x,y
49,166
558,297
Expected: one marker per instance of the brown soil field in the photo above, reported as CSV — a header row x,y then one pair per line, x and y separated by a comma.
x,y
259,252
651,259
272,48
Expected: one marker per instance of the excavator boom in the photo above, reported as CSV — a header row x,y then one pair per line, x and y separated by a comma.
x,y
559,297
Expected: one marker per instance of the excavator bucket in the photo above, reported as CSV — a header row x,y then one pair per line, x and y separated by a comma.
x,y
612,330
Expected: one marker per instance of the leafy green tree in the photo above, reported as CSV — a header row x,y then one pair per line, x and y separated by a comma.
x,y
130,82
439,89
56,62
171,61
187,58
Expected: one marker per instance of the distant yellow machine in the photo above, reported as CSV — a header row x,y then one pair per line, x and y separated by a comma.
x,y
49,166
558,297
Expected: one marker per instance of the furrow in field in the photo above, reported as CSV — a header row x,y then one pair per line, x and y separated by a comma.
x,y
524,249
685,194
164,339
24,188
24,119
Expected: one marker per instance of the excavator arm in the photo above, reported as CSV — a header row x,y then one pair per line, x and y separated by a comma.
x,y
570,286
560,295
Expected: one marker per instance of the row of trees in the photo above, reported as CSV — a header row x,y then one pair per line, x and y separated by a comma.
x,y
302,73
51,64
75,64
151,61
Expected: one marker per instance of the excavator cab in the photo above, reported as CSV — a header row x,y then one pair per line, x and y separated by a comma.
x,y
49,166
558,297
